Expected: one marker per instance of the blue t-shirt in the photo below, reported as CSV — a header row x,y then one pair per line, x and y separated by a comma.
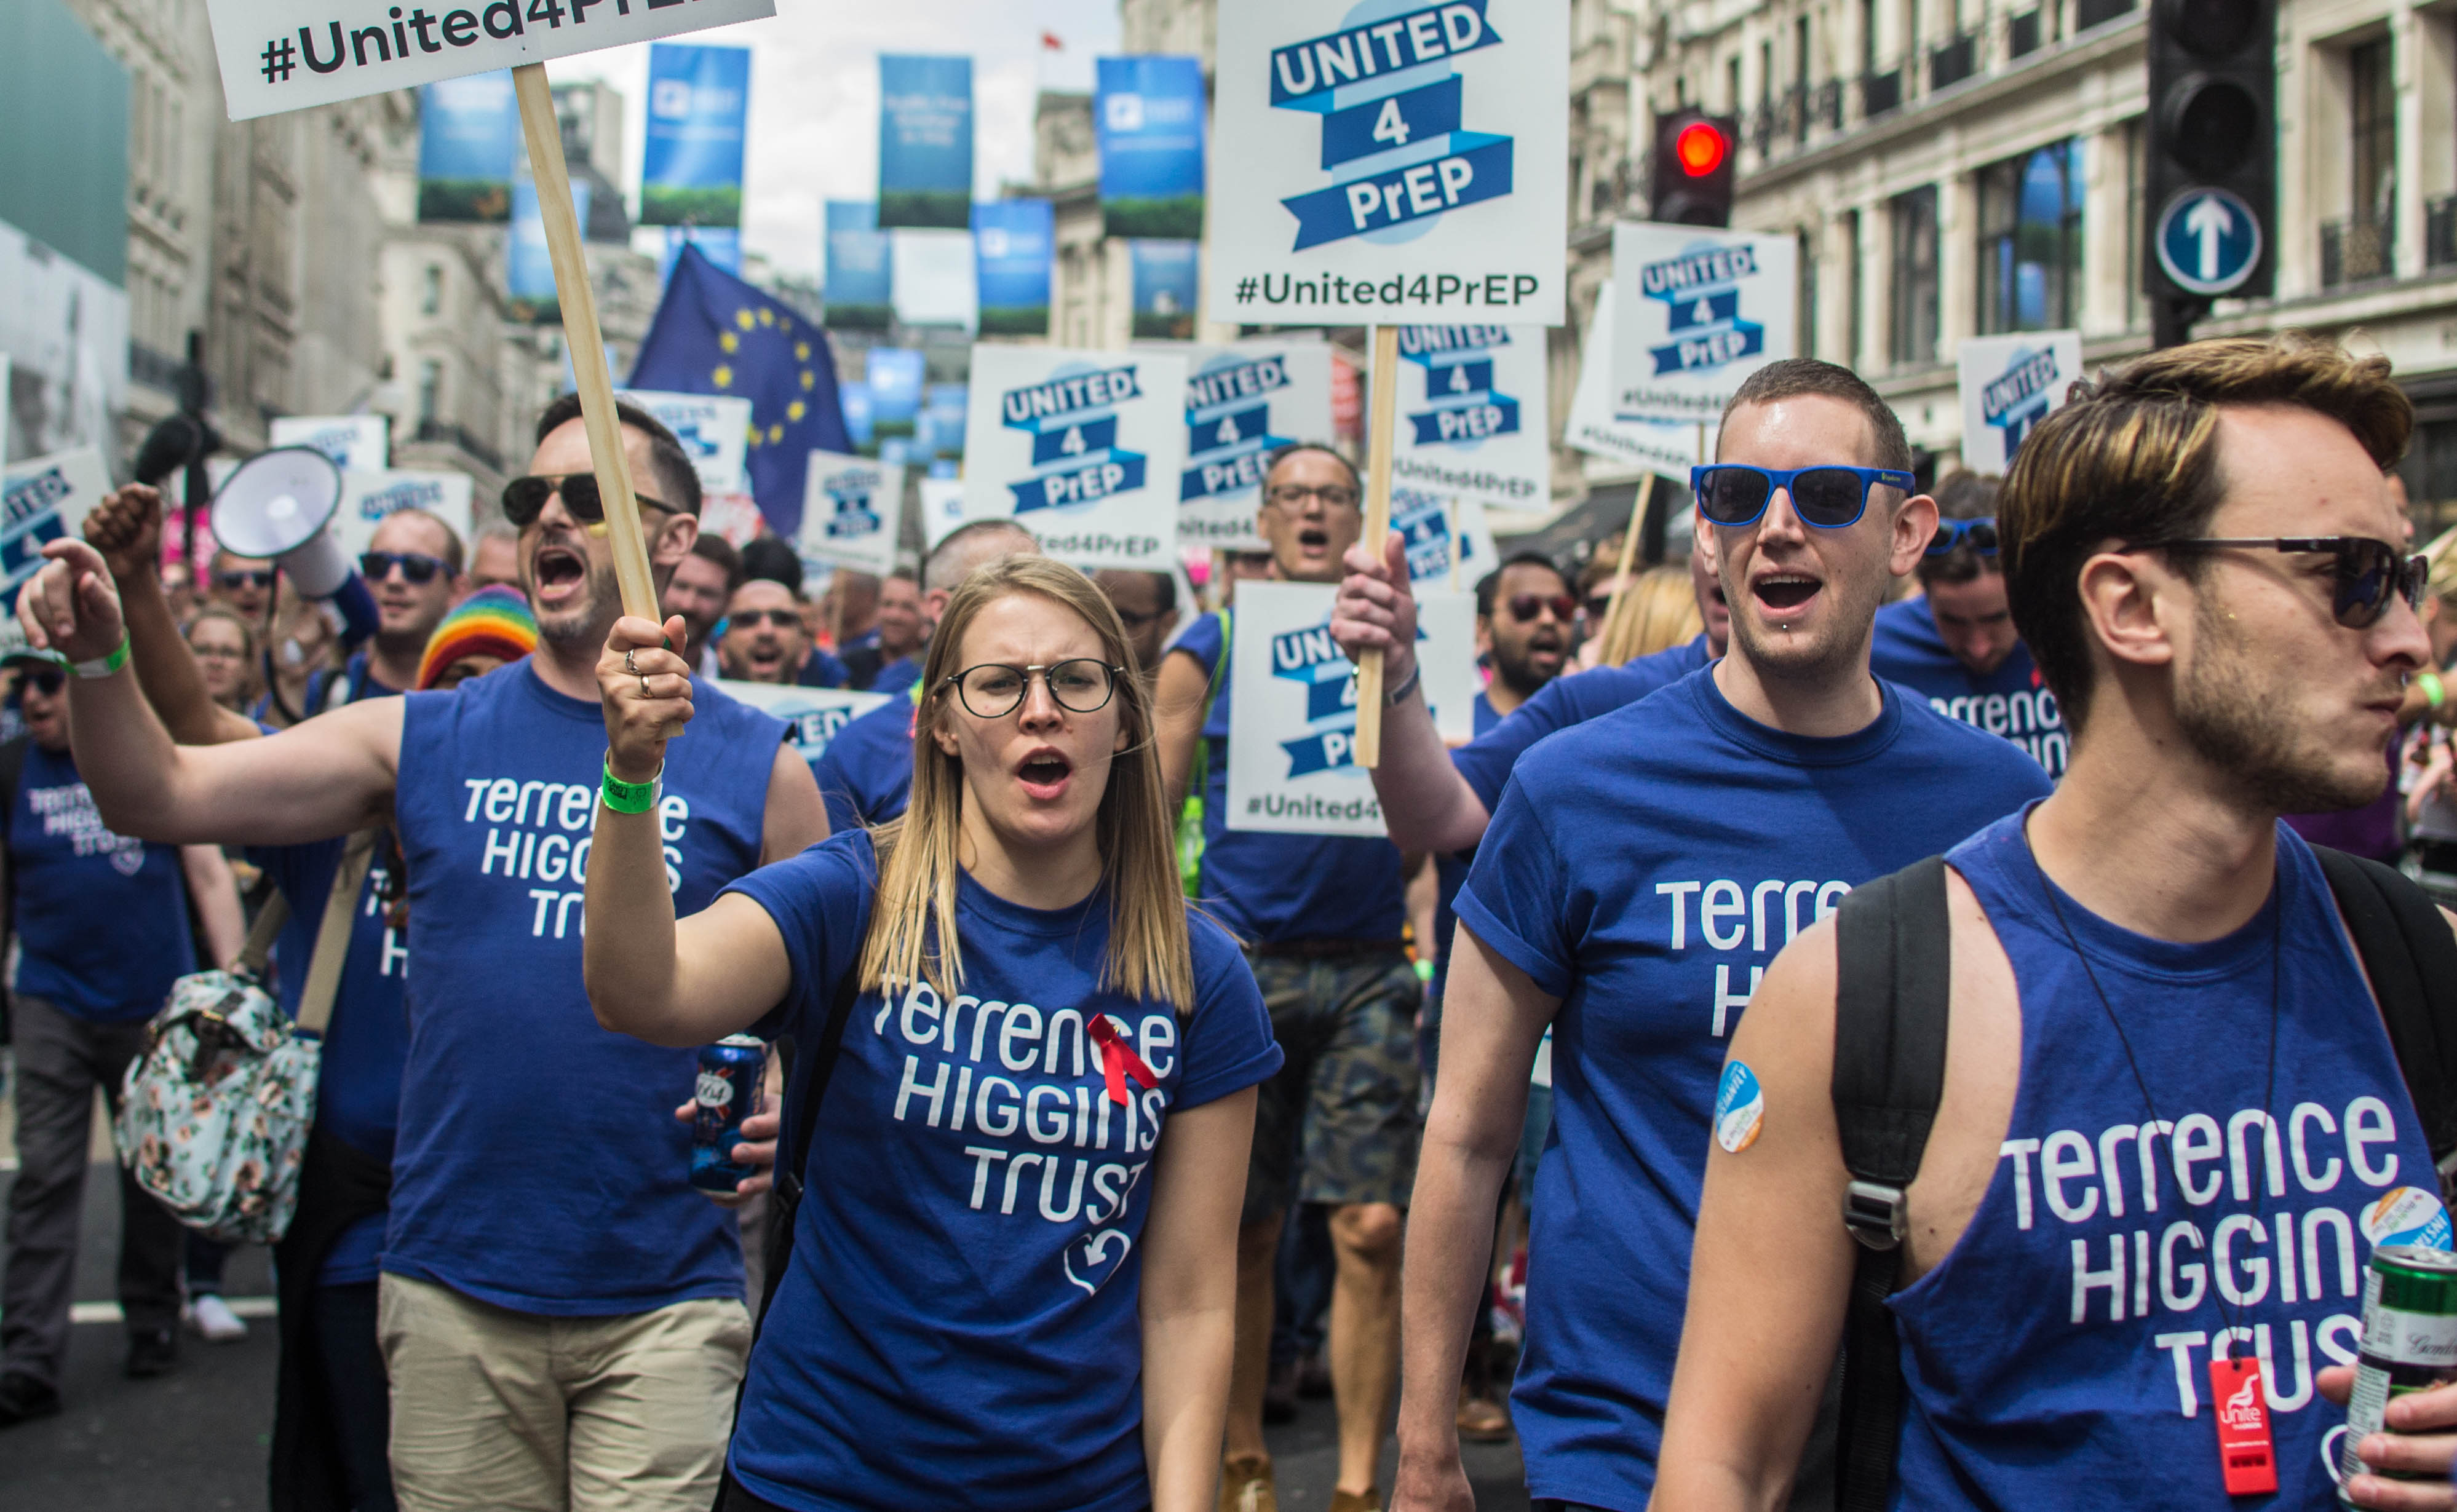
x,y
2058,1355
102,918
1643,868
1450,871
820,669
958,1326
2012,701
1274,887
1567,700
897,676
865,775
539,1164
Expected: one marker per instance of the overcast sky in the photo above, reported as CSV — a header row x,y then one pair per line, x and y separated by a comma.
x,y
815,97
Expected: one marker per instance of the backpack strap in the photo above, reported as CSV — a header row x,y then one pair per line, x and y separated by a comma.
x,y
333,934
2411,959
1892,989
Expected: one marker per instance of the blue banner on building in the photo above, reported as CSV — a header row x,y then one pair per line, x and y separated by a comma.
x,y
1149,115
855,398
1013,244
861,275
925,141
699,101
469,137
528,270
894,375
1165,276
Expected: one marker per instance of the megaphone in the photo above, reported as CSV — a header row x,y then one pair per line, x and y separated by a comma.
x,y
276,504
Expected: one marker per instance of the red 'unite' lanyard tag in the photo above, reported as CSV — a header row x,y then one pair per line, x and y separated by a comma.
x,y
2244,1454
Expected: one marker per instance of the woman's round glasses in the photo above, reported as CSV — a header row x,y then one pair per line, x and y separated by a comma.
x,y
996,689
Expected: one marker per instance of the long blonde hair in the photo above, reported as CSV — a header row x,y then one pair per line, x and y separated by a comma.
x,y
912,936
1658,611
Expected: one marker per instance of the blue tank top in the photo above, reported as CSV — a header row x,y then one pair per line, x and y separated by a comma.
x,y
102,918
2059,1355
538,1165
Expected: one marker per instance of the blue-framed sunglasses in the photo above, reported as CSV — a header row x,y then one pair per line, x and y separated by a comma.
x,y
1981,534
1829,497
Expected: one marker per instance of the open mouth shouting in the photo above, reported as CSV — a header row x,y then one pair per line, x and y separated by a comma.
x,y
765,655
1784,592
560,574
1044,771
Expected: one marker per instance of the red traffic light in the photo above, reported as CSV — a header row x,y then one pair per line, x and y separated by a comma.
x,y
1700,149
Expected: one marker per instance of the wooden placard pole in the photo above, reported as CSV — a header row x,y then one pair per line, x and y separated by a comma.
x,y
1620,572
1450,517
588,348
1384,397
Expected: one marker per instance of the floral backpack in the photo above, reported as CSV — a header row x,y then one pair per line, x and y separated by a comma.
x,y
214,1116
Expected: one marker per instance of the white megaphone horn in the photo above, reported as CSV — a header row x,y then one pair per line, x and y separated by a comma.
x,y
276,504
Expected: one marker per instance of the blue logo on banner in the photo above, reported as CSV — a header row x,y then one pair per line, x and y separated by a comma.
x,y
849,496
2018,398
1312,657
1464,409
1393,122
1227,434
1424,524
1073,420
1700,289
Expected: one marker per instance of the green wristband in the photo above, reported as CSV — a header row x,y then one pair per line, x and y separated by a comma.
x,y
2434,691
629,798
103,665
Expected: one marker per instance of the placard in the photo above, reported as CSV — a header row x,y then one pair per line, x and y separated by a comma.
x,y
1293,720
1696,312
368,496
1473,417
42,499
850,509
1084,449
1670,449
354,441
1436,525
273,57
1242,402
2010,383
942,508
714,428
690,164
1406,163
812,715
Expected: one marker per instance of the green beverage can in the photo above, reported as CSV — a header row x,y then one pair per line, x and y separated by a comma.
x,y
2409,1341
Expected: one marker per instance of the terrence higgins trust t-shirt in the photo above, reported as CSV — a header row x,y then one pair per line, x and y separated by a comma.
x,y
1644,868
959,1323
2013,702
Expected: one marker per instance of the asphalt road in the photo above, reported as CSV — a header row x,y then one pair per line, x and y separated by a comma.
x,y
194,1441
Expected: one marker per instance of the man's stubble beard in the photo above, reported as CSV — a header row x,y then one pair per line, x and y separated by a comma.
x,y
1834,653
2226,703
589,623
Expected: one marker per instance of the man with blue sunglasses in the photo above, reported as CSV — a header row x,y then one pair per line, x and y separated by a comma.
x,y
1639,873
1956,644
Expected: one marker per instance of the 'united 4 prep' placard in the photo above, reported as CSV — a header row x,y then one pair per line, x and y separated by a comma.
x,y
1472,415
1391,162
1670,450
1292,717
1695,312
812,715
2010,383
1084,449
368,496
851,506
1244,402
42,499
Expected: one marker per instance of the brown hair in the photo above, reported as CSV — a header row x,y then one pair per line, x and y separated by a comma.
x,y
2134,458
1961,495
1795,377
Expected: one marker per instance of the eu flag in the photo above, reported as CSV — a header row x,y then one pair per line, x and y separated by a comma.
x,y
715,334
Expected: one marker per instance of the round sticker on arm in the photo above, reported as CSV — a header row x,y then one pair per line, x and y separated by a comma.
x,y
2406,1216
1740,1108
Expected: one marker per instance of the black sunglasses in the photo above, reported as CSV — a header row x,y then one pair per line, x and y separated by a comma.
x,y
525,499
1981,534
47,682
251,578
1524,607
754,618
417,566
2368,572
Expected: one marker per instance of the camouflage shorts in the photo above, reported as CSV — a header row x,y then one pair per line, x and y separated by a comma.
x,y
1338,1123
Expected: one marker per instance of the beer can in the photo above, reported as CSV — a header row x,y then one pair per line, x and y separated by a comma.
x,y
731,1071
2409,1341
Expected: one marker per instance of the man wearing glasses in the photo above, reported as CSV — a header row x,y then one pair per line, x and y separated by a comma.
x,y
560,1311
1639,873
2203,556
1955,643
412,566
1323,914
1523,612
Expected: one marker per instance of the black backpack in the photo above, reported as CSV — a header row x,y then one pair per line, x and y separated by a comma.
x,y
1893,990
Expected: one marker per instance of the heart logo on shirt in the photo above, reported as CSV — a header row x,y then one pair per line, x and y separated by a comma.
x,y
128,863
1098,1256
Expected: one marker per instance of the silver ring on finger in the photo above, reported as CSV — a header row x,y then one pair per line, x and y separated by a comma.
x,y
633,667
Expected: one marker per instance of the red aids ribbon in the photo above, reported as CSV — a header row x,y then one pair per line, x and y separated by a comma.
x,y
1116,1061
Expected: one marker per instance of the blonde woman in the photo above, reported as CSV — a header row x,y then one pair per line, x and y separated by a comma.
x,y
1658,611
1013,1275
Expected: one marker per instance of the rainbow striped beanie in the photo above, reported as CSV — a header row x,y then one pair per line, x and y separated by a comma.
x,y
492,622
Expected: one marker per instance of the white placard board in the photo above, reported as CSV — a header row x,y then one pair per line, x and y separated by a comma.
x,y
1292,717
1668,449
812,715
2010,383
42,499
714,430
1434,525
1472,418
1242,402
356,443
1695,311
368,497
1410,164
942,508
850,509
1084,449
280,56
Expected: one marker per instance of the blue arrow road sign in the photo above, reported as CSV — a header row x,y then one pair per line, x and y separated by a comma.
x,y
2209,240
